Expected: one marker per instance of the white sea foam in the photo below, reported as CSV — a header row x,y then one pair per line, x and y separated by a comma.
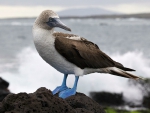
x,y
33,73
16,24
129,19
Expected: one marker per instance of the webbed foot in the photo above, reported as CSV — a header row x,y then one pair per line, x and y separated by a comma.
x,y
69,92
66,93
59,89
62,87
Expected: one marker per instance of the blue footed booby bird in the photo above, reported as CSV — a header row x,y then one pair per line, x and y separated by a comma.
x,y
71,54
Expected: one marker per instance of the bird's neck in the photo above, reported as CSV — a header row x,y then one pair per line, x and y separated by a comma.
x,y
39,31
42,36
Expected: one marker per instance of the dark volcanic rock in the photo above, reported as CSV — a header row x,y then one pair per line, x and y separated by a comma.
x,y
3,84
82,101
146,101
3,89
42,101
107,98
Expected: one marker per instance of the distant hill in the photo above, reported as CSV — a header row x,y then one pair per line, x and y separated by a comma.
x,y
85,12
113,16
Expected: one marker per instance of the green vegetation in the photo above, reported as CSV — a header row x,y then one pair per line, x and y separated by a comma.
x,y
112,110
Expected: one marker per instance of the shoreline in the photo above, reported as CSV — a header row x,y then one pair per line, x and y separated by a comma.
x,y
113,16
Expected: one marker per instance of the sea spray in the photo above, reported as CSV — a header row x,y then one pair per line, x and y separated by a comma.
x,y
33,72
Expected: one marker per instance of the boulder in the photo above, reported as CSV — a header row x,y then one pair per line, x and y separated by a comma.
x,y
107,98
3,89
43,101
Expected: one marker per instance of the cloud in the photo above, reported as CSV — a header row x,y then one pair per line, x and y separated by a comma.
x,y
130,8
12,11
69,3
24,11
34,11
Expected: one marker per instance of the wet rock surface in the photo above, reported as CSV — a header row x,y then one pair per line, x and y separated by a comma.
x,y
3,89
107,98
43,101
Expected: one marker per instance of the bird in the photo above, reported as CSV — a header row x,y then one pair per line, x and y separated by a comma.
x,y
71,54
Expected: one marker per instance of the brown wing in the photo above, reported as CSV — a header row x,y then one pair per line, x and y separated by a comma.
x,y
84,53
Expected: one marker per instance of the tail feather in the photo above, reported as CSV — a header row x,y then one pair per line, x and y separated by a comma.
x,y
126,69
120,66
122,73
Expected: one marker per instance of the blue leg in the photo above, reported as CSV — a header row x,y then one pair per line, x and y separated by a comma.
x,y
62,87
68,92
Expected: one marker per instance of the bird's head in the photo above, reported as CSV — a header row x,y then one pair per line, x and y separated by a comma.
x,y
49,19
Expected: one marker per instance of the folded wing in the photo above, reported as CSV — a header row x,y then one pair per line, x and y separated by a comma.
x,y
84,53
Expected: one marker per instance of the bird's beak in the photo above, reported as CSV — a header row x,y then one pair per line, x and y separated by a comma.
x,y
55,22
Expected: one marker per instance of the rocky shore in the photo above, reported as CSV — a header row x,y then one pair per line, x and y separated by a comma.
x,y
43,101
3,89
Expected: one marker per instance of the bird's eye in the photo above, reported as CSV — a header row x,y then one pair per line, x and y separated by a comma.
x,y
50,19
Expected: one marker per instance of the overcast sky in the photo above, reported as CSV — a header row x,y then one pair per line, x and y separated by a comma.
x,y
19,8
72,2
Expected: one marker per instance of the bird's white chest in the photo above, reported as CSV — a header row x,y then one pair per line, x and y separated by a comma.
x,y
44,43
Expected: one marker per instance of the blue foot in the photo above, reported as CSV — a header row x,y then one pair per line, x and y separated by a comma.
x,y
59,89
62,87
67,93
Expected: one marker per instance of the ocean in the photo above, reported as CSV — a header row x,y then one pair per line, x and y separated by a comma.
x,y
124,40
